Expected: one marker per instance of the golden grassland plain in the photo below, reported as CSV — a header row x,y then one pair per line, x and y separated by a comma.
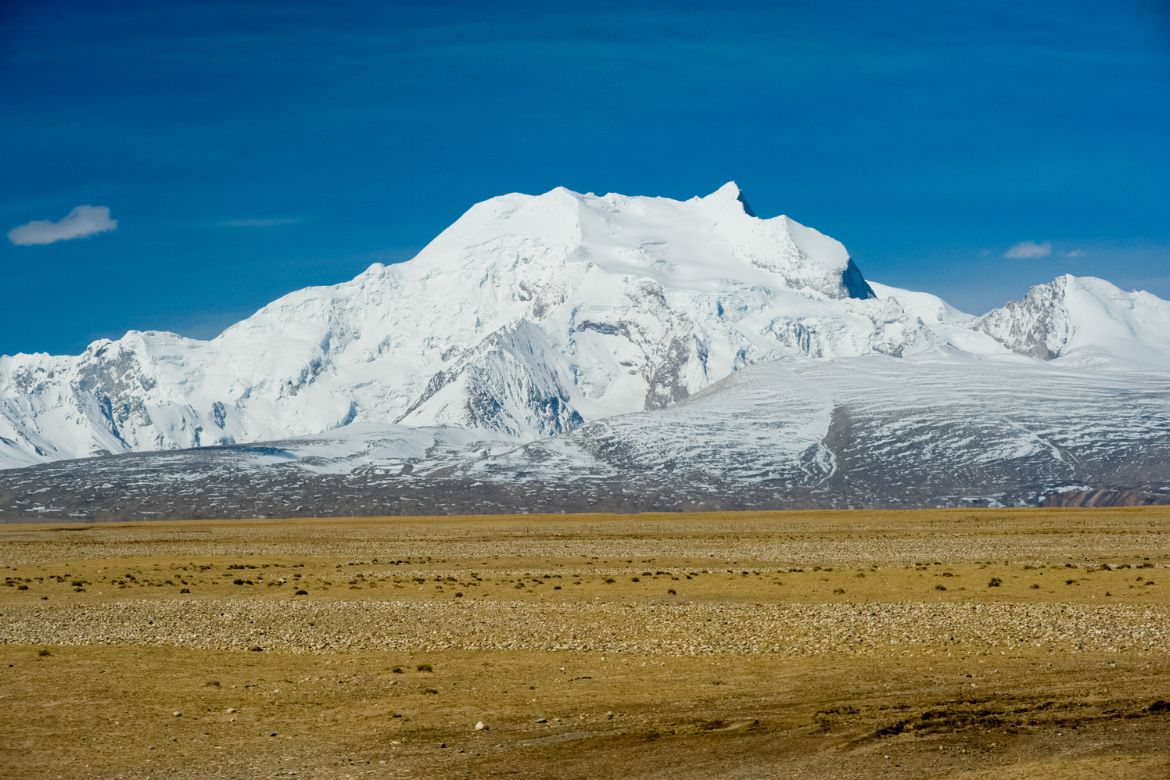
x,y
972,644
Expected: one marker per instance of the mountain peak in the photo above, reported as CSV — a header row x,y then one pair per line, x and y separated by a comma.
x,y
1083,318
728,191
730,194
707,243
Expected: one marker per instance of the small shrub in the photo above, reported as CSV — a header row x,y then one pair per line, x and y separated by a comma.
x,y
425,668
994,582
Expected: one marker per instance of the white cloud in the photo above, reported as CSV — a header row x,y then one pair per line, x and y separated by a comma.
x,y
260,223
81,222
1075,253
1027,250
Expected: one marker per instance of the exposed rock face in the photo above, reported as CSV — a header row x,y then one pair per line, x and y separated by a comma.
x,y
1109,497
1038,325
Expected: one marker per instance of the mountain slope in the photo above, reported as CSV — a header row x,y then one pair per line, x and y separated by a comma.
x,y
872,431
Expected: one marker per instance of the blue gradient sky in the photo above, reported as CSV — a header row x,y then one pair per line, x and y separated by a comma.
x,y
248,149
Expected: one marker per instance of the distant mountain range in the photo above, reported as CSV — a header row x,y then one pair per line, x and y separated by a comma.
x,y
567,351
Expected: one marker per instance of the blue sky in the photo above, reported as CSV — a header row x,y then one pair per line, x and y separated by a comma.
x,y
247,149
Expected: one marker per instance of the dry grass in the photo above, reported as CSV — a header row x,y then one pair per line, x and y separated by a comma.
x,y
811,644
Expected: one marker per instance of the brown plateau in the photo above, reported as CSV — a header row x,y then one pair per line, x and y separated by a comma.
x,y
997,644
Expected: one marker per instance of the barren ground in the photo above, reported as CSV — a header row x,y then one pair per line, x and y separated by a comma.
x,y
973,644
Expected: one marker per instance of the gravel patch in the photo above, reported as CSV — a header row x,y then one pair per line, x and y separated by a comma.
x,y
669,629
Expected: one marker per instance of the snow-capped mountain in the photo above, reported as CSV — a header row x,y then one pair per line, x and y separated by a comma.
x,y
1084,319
525,317
534,317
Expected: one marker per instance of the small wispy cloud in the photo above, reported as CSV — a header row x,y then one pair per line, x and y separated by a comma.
x,y
1028,250
80,222
261,222
1075,253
